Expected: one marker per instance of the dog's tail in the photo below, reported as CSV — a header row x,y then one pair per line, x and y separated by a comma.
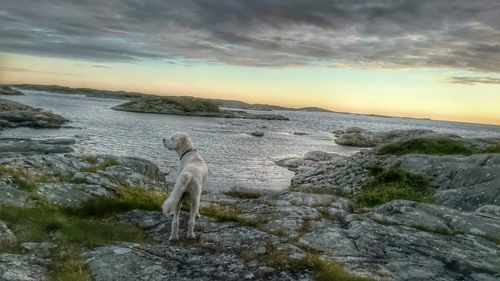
x,y
176,195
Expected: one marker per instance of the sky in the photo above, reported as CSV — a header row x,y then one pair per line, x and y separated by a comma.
x,y
435,59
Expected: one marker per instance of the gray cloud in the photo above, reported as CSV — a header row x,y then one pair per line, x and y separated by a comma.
x,y
473,80
364,33
15,69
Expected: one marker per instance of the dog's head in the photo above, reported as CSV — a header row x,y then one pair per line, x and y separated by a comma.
x,y
179,142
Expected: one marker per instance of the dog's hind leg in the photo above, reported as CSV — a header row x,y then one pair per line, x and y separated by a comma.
x,y
174,235
195,205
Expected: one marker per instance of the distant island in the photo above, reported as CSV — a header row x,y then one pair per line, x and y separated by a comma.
x,y
132,95
188,106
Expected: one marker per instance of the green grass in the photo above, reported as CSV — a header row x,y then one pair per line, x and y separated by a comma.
x,y
68,265
27,181
322,270
99,166
38,223
229,213
438,146
126,199
495,148
74,229
392,184
90,159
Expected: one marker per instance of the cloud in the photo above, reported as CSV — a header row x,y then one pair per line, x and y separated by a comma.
x,y
459,34
473,80
15,69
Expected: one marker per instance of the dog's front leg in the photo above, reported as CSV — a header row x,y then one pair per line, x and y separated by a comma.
x,y
174,235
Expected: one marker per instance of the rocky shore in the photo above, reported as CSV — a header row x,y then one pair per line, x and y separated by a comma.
x,y
70,216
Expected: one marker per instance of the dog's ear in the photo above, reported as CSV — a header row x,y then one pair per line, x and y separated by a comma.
x,y
182,143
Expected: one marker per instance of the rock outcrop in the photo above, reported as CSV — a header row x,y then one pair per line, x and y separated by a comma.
x,y
70,179
461,182
358,137
14,114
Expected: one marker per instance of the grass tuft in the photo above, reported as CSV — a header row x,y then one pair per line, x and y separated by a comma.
x,y
392,184
127,199
438,146
229,213
39,224
27,181
68,265
100,166
495,148
322,270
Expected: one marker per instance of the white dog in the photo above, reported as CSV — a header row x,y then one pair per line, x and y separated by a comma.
x,y
192,175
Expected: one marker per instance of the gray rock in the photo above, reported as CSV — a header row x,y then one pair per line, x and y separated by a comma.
x,y
94,179
358,137
393,252
14,114
135,172
439,219
126,261
6,235
70,194
28,146
11,195
42,250
58,141
14,267
461,182
334,174
320,156
257,134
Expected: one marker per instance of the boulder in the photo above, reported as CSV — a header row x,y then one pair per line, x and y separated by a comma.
x,y
257,134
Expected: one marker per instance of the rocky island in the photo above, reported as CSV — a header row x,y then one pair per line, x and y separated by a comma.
x,y
188,106
415,207
14,114
9,91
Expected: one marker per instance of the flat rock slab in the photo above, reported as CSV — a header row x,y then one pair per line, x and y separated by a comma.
x,y
439,219
127,261
70,194
461,182
28,146
14,267
394,252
